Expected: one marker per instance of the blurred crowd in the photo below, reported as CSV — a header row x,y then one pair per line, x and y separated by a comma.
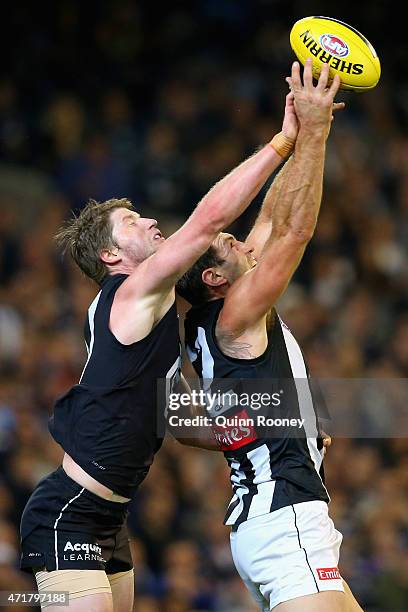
x,y
123,99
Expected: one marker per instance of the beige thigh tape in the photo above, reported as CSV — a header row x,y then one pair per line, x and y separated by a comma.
x,y
78,583
114,578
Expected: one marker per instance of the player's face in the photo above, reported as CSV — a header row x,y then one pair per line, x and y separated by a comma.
x,y
137,237
237,256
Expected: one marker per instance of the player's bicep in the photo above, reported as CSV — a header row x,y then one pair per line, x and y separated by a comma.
x,y
175,256
254,294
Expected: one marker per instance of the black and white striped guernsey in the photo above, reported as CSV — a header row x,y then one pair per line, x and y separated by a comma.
x,y
267,473
108,422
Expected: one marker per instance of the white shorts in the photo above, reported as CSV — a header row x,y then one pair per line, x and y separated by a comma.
x,y
288,553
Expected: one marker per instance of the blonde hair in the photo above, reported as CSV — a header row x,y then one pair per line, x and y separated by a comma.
x,y
87,234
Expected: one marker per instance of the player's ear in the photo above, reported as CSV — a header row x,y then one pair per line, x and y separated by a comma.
x,y
110,256
211,277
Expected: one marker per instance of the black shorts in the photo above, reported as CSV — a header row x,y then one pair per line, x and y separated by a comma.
x,y
65,526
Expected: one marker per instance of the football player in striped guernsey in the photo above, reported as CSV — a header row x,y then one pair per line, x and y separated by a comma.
x,y
283,542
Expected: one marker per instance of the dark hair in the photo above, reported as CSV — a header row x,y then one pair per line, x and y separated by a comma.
x,y
88,234
191,286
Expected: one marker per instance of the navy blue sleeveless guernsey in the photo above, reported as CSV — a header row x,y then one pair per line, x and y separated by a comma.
x,y
108,423
267,472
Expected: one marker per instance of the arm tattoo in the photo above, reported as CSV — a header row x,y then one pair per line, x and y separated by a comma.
x,y
234,348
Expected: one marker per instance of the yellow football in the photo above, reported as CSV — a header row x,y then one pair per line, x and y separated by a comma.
x,y
348,53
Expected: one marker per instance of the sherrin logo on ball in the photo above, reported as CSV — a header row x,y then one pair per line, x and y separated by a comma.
x,y
347,52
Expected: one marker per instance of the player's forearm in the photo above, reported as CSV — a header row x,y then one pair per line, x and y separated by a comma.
x,y
299,196
187,435
261,230
203,443
269,202
230,196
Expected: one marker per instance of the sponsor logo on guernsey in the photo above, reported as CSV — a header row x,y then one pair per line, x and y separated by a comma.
x,y
82,552
328,573
334,45
240,432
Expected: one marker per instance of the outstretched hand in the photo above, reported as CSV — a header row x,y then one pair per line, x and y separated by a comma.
x,y
313,105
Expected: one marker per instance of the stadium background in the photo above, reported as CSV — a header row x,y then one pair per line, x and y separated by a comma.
x,y
125,99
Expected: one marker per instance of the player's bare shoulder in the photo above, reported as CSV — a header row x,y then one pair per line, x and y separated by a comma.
x,y
135,311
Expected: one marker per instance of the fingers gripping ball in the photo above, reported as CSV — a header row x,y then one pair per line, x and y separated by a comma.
x,y
347,52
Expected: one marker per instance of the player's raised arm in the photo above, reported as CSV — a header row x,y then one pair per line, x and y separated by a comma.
x,y
218,209
261,229
296,209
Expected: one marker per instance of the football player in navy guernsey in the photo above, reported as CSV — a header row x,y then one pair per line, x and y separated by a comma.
x,y
284,545
73,532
